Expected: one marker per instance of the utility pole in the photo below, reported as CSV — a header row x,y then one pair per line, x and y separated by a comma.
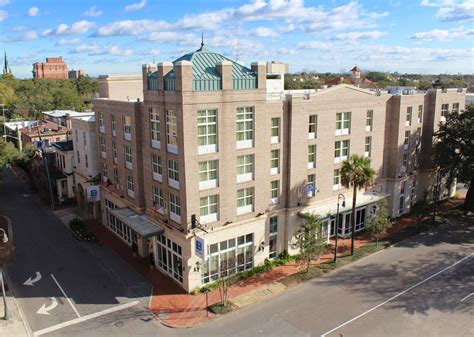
x,y
45,163
4,121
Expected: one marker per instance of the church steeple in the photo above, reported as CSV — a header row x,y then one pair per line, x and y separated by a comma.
x,y
6,67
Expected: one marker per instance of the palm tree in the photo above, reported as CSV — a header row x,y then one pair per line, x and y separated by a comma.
x,y
357,173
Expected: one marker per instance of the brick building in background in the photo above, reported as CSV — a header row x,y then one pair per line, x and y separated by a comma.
x,y
216,145
54,67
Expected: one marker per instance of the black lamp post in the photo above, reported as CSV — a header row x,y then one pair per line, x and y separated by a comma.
x,y
337,222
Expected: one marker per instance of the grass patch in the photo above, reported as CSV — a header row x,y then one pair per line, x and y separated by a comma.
x,y
220,309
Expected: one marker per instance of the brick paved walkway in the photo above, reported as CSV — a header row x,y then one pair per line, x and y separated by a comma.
x,y
176,308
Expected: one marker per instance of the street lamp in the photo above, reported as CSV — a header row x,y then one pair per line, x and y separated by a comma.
x,y
337,222
4,240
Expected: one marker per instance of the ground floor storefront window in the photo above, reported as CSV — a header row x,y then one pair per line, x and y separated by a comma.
x,y
227,258
169,257
118,227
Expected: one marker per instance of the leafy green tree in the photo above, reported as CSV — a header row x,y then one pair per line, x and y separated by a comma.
x,y
356,173
309,240
379,222
9,154
454,151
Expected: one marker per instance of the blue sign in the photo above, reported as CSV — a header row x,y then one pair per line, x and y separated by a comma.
x,y
200,247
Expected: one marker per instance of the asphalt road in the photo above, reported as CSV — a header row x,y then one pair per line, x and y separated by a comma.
x,y
422,287
74,280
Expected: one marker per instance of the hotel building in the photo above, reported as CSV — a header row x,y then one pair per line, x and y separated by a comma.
x,y
213,168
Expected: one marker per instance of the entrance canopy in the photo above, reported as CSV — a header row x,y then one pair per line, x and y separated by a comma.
x,y
140,223
329,207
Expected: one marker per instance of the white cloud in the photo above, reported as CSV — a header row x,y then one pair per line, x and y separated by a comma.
x,y
355,36
452,10
264,32
314,45
64,42
135,7
3,15
26,36
95,49
169,37
33,11
93,12
444,34
4,2
79,27
132,27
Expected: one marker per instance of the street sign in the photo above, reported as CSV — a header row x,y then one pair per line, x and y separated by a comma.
x,y
93,193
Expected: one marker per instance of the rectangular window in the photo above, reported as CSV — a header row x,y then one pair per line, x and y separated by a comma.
x,y
418,136
173,174
208,173
157,167
128,157
273,231
169,257
275,162
402,204
369,120
175,208
78,157
444,110
408,116
116,178
114,152
406,141
112,124
245,127
245,168
336,185
456,107
171,131
368,146
420,113
274,191
84,138
313,127
76,135
130,186
103,147
245,200
127,127
155,133
311,156
158,199
405,161
207,131
311,186
87,160
343,123
402,187
275,130
209,209
341,150
101,122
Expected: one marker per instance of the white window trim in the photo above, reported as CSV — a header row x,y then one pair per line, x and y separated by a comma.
x,y
156,144
242,178
336,187
207,184
274,171
101,129
103,154
157,177
274,201
172,148
244,144
175,217
127,136
205,149
244,209
173,183
129,165
213,217
275,140
311,135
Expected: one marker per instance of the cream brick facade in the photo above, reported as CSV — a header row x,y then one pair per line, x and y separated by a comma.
x,y
174,89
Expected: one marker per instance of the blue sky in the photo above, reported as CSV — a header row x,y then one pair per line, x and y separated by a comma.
x,y
118,36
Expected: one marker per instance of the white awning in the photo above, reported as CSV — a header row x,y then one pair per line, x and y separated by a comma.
x,y
329,206
140,223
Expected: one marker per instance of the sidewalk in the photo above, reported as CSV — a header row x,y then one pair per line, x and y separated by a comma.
x,y
14,326
175,308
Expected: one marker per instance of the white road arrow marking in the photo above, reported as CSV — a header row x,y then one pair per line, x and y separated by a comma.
x,y
44,310
31,282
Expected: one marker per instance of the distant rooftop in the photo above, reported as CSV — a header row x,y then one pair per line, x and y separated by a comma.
x,y
71,113
64,146
205,74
